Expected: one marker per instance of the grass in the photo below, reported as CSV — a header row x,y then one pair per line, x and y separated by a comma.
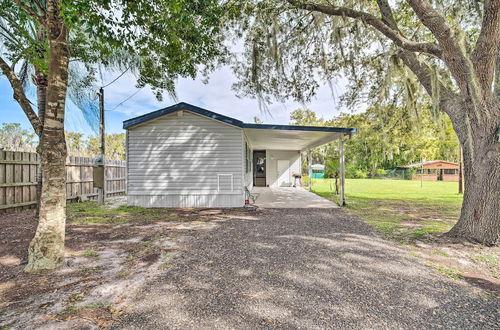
x,y
448,272
402,210
91,212
487,259
70,310
90,253
491,262
441,253
433,193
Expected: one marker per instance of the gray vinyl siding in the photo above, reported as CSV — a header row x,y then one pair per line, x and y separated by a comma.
x,y
185,161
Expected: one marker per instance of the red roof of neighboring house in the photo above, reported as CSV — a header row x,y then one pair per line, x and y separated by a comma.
x,y
431,164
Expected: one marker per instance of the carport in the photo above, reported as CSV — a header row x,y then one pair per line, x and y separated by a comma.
x,y
277,159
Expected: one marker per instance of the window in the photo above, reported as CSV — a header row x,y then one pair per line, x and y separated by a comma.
x,y
450,171
426,171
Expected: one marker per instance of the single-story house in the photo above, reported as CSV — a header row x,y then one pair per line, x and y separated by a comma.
x,y
186,156
434,170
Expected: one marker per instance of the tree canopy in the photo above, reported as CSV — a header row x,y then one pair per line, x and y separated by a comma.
x,y
159,41
395,54
385,142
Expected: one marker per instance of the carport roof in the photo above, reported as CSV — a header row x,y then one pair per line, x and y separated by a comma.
x,y
260,136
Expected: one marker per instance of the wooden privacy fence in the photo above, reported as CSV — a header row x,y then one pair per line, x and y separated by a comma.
x,y
18,179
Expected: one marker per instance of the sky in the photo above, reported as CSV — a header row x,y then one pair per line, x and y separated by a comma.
x,y
216,96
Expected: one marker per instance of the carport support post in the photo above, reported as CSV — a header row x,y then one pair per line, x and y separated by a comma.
x,y
309,169
342,173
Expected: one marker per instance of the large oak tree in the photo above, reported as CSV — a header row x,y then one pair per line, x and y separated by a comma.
x,y
389,51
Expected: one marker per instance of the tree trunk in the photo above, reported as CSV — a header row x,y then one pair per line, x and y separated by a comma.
x,y
41,95
480,216
46,250
460,171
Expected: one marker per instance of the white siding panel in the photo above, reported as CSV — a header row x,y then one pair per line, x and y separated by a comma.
x,y
176,161
186,200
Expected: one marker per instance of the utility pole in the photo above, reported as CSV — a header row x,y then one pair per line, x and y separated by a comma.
x,y
102,161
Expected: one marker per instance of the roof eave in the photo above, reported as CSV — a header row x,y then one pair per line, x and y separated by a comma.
x,y
345,130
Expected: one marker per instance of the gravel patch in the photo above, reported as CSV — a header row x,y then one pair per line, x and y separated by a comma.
x,y
304,268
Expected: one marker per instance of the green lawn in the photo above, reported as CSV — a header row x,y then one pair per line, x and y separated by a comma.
x,y
401,209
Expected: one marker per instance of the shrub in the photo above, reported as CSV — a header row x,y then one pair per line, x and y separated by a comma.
x,y
380,172
352,172
360,174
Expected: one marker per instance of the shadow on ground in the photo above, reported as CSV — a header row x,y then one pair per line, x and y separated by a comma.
x,y
303,268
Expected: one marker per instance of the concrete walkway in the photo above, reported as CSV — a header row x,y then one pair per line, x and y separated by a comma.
x,y
289,197
303,269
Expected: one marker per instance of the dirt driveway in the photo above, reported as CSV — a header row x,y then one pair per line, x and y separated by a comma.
x,y
304,268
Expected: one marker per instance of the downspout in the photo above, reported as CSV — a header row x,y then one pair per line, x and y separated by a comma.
x,y
342,172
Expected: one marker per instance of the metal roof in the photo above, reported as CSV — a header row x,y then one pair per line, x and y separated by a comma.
x,y
180,106
427,163
228,120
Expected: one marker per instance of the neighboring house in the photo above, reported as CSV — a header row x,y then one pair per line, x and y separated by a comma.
x,y
434,170
186,156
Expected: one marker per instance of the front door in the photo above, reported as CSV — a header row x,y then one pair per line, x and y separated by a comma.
x,y
259,169
440,174
284,179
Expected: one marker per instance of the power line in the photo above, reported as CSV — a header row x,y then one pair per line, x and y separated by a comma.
x,y
128,98
119,76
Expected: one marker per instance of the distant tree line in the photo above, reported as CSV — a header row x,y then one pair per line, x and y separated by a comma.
x,y
386,138
13,137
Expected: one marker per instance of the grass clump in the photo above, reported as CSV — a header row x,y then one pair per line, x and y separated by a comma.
x,y
90,253
487,259
165,265
414,255
492,263
441,253
448,272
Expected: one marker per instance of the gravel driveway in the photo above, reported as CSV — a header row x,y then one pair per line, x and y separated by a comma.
x,y
307,269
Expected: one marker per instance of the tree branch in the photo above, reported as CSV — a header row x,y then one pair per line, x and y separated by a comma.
x,y
387,16
454,57
40,7
40,18
421,71
20,96
423,47
485,54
